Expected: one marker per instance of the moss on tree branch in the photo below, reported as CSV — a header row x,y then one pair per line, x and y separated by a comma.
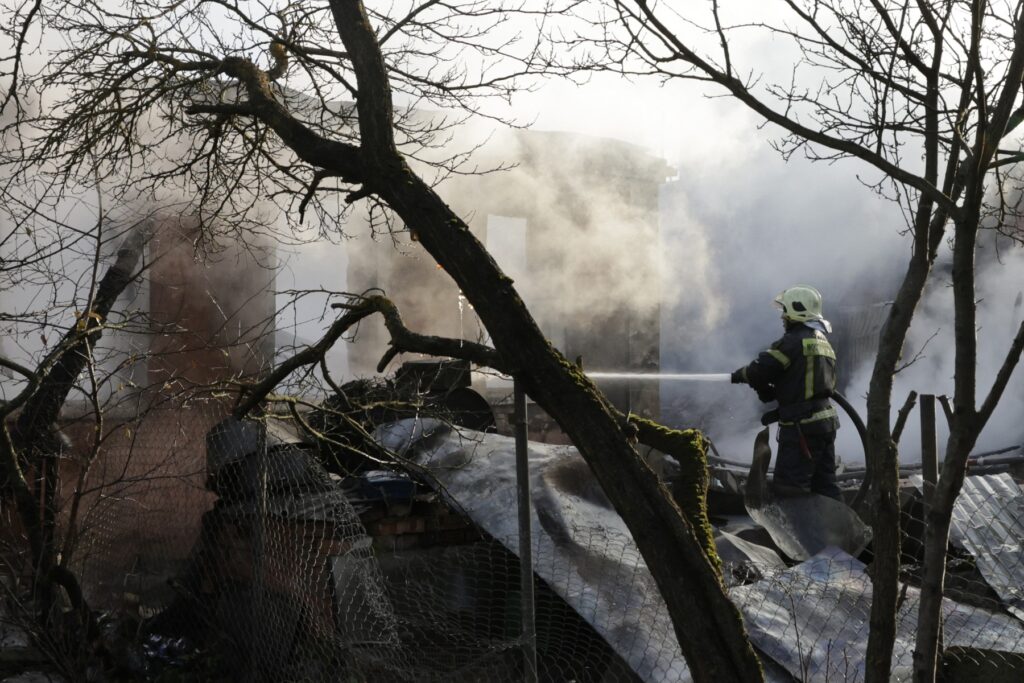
x,y
689,448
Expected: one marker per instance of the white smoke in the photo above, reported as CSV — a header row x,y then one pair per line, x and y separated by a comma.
x,y
740,224
740,235
929,352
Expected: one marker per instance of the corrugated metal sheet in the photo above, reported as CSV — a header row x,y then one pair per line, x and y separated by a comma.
x,y
988,522
802,526
813,619
582,550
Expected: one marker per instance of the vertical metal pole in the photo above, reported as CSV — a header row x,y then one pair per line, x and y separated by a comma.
x,y
257,625
929,449
525,537
930,473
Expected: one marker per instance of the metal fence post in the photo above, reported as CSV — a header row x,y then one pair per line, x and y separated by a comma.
x,y
525,537
257,612
929,449
930,472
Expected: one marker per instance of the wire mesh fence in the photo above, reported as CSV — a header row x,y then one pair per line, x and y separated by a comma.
x,y
213,549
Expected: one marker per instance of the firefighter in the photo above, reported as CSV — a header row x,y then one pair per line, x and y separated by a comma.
x,y
799,371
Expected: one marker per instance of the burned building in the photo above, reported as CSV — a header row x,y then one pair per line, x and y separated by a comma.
x,y
194,319
574,222
211,313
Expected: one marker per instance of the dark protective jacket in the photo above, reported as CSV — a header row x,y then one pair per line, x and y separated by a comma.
x,y
799,370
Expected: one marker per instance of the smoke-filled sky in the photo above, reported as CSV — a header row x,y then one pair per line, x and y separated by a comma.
x,y
740,224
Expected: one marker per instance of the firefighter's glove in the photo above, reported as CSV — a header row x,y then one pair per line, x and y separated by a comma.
x,y
767,395
739,377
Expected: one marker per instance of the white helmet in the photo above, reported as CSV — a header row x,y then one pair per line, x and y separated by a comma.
x,y
801,304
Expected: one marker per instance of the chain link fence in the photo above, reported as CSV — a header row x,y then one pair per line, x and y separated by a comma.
x,y
213,549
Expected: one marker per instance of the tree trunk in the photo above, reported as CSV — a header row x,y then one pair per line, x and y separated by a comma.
x,y
689,448
35,437
707,624
883,471
936,541
963,434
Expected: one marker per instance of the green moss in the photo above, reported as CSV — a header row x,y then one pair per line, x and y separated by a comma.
x,y
689,448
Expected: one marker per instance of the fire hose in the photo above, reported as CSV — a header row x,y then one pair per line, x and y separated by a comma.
x,y
773,416
865,484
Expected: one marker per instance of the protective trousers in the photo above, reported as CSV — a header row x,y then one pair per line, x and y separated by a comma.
x,y
806,462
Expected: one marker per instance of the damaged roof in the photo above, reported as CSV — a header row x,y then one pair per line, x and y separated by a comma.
x,y
813,620
988,522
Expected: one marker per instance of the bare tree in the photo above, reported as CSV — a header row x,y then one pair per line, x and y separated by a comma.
x,y
188,101
70,399
926,93
30,450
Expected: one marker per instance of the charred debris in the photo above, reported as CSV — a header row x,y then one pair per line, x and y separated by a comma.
x,y
340,536
307,484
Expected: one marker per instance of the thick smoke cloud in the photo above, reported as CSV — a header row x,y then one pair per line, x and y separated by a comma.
x,y
739,224
739,235
929,353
